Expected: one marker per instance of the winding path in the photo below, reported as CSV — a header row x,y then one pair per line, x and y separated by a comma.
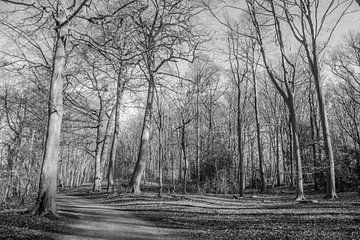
x,y
93,220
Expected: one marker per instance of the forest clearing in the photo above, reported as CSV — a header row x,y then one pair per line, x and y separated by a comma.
x,y
179,119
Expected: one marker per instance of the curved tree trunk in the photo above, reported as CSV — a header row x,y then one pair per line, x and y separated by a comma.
x,y
144,142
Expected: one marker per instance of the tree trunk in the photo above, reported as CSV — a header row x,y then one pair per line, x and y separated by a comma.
x,y
291,154
283,151
331,189
105,155
144,142
172,170
160,160
119,91
160,147
183,148
258,135
296,146
198,141
313,139
278,168
46,200
240,147
99,146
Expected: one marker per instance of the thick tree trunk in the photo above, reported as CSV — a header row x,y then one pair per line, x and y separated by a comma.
x,y
314,140
98,150
331,189
144,142
46,200
296,146
105,154
110,176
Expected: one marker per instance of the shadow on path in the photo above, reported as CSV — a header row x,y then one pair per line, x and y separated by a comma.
x,y
101,221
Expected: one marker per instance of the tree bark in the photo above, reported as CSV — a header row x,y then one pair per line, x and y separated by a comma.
x,y
46,200
278,168
105,154
98,150
258,135
313,139
119,91
198,140
144,142
160,160
183,148
160,145
291,155
331,189
240,146
296,146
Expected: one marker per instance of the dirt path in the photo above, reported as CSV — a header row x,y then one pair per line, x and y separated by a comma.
x,y
100,221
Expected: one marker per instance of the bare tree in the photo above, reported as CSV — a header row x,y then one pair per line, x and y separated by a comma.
x,y
162,27
307,23
287,77
240,53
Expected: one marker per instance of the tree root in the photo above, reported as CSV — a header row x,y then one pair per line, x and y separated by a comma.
x,y
332,197
300,198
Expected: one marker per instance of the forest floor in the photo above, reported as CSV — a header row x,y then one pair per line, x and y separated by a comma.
x,y
146,216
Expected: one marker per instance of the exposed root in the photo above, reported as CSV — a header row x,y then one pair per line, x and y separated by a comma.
x,y
300,198
332,197
135,191
45,213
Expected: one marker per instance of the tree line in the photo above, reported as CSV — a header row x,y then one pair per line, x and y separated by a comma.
x,y
129,92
